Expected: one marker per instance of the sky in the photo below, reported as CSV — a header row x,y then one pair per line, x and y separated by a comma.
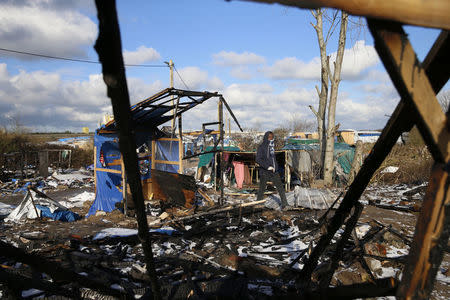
x,y
264,59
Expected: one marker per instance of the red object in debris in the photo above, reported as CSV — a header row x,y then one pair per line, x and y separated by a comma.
x,y
102,159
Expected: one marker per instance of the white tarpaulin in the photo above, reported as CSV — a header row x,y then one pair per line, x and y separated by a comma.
x,y
27,209
304,197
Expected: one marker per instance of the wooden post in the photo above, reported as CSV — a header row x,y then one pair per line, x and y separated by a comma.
x,y
412,83
153,154
124,186
286,170
180,145
180,156
43,163
356,163
109,49
70,158
221,125
416,12
430,238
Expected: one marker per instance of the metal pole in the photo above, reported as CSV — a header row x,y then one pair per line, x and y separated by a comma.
x,y
221,150
171,97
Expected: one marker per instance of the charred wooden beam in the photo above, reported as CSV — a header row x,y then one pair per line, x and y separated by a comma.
x,y
432,228
430,238
231,113
54,270
412,83
399,122
378,288
18,282
212,212
415,12
109,49
338,254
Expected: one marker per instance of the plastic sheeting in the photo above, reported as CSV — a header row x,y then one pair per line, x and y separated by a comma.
x,y
342,151
304,197
205,159
299,160
58,215
41,208
168,151
109,185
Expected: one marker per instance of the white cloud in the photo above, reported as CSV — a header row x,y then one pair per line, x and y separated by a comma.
x,y
239,63
241,72
230,58
50,29
43,101
356,61
197,79
293,68
371,112
141,55
256,105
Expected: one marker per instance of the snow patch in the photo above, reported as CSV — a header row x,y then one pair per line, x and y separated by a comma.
x,y
78,200
6,209
362,230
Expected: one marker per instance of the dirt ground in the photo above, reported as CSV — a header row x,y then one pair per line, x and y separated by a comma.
x,y
217,240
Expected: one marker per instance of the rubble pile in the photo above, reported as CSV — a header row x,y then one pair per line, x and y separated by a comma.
x,y
240,250
61,179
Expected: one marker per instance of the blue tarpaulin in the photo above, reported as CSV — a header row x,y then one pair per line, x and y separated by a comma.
x,y
167,151
109,185
58,215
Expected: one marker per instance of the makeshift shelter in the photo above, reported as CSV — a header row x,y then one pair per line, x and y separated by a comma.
x,y
240,167
155,151
301,156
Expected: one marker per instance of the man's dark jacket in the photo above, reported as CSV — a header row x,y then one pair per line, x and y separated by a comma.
x,y
263,157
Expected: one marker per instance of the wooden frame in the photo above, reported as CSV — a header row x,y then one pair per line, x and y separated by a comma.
x,y
418,106
180,154
415,12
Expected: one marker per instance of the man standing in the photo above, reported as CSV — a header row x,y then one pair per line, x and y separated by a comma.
x,y
268,168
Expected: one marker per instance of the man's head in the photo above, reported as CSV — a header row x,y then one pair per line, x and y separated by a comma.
x,y
270,136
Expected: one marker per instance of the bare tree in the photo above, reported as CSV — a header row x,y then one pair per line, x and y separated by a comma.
x,y
335,80
326,133
280,134
298,123
324,74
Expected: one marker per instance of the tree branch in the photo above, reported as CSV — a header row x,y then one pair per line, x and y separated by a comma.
x,y
314,112
318,92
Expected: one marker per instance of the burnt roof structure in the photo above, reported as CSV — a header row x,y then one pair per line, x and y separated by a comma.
x,y
162,107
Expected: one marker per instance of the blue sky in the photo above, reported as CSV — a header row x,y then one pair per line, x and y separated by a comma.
x,y
262,58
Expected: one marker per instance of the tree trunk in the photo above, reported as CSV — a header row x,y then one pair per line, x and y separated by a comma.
x,y
335,80
324,77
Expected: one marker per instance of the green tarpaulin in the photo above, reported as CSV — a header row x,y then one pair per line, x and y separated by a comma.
x,y
205,159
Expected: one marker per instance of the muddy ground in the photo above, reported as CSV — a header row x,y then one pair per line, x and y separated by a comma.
x,y
261,245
